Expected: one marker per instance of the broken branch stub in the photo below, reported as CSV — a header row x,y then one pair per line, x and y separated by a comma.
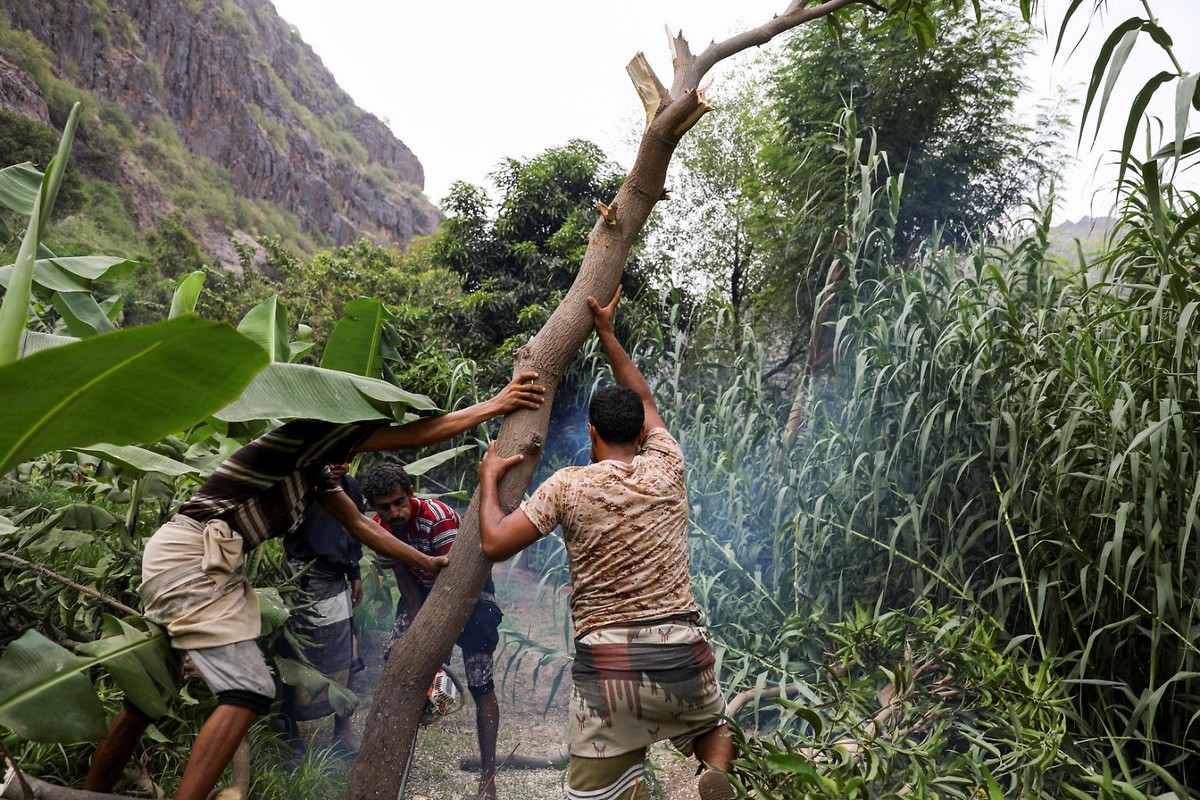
x,y
648,86
609,213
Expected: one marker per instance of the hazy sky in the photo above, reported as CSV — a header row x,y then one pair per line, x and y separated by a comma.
x,y
466,84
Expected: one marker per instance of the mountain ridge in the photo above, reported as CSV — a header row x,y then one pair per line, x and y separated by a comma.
x,y
235,85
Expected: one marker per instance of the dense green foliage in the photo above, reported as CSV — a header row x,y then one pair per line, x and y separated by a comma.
x,y
971,571
945,115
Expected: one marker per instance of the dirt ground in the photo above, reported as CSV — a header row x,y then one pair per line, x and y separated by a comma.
x,y
532,722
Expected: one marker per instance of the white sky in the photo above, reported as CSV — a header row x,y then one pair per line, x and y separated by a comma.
x,y
467,84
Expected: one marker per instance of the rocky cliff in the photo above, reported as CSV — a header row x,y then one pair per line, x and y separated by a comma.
x,y
239,87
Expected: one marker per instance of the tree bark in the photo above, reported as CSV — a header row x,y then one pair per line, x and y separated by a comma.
x,y
391,725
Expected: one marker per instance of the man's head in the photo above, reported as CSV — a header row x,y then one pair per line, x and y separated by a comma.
x,y
616,415
388,489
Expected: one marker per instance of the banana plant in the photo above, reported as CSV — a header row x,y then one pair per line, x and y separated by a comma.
x,y
113,387
355,344
36,674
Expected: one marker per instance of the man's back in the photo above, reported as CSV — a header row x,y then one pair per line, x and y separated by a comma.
x,y
625,528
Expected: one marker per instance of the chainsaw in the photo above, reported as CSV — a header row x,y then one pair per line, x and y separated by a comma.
x,y
445,696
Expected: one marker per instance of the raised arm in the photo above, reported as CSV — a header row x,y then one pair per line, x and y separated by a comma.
x,y
624,370
519,393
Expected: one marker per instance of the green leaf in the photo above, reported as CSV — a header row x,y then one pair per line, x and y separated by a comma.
x,y
37,675
303,343
138,655
423,465
1150,175
74,274
15,308
19,187
83,315
96,268
272,610
1185,91
1119,56
1190,145
354,344
1135,117
125,387
1127,28
266,324
112,306
86,517
139,459
187,292
1062,30
35,341
298,391
54,173
48,276
791,763
294,673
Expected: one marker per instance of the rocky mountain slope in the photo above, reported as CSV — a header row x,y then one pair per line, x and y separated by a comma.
x,y
235,86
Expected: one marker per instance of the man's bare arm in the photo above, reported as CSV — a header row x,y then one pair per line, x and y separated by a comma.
x,y
501,535
624,370
342,508
519,393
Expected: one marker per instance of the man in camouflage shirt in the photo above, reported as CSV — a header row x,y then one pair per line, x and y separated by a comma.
x,y
644,670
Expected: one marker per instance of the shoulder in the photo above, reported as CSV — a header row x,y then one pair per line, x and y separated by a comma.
x,y
566,476
435,510
660,440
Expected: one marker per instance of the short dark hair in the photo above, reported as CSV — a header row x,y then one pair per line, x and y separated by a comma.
x,y
617,414
384,479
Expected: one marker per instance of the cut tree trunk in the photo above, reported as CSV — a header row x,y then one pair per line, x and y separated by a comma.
x,y
392,723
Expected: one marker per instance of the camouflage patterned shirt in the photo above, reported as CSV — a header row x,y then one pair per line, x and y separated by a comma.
x,y
625,528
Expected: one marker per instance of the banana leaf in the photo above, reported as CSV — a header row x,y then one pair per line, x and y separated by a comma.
x,y
354,344
295,673
266,324
298,391
302,344
74,274
86,517
138,459
112,306
14,309
83,315
271,610
35,341
19,187
139,657
186,294
126,387
423,465
45,695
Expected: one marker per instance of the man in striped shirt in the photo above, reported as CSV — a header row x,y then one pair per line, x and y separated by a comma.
x,y
430,526
194,584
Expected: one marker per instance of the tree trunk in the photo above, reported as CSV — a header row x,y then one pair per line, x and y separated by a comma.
x,y
395,713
